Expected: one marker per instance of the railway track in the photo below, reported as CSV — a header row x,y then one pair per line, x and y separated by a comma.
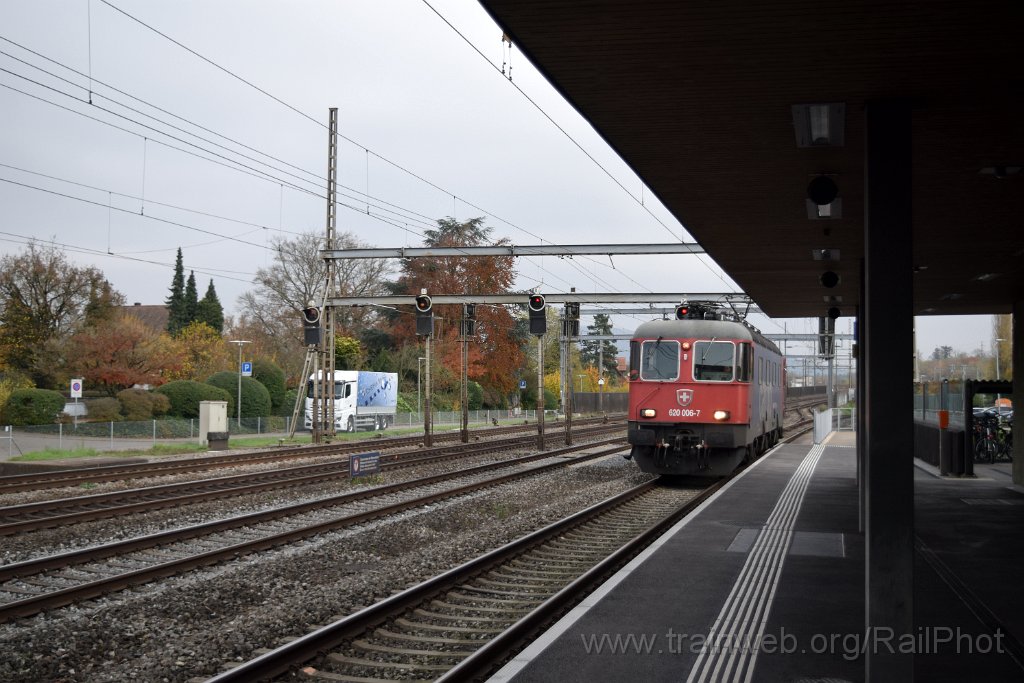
x,y
456,625
106,473
36,585
461,625
66,511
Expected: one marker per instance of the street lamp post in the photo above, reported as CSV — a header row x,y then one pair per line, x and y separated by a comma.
x,y
995,347
240,342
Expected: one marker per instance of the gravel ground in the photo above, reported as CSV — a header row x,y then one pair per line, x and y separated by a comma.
x,y
63,539
190,626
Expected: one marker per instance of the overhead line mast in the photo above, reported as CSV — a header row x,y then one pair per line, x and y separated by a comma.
x,y
331,289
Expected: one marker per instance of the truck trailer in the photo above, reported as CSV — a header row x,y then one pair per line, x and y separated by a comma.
x,y
362,399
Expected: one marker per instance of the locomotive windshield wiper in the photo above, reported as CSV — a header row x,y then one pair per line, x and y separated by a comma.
x,y
707,350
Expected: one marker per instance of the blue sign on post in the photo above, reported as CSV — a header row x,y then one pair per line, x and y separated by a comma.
x,y
362,464
522,384
247,369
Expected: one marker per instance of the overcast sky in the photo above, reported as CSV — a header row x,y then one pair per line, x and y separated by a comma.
x,y
430,128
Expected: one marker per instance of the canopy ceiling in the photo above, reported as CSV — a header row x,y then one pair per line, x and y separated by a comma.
x,y
697,97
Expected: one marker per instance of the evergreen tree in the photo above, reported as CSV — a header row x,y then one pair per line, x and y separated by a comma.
x,y
103,303
590,352
210,311
177,315
191,298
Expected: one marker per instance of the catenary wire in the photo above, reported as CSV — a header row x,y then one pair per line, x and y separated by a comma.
x,y
368,151
262,173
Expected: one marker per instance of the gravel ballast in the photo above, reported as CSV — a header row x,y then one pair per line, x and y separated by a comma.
x,y
192,625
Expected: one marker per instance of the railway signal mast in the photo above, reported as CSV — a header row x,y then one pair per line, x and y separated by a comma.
x,y
425,328
538,326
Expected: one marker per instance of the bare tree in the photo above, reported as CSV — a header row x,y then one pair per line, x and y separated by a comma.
x,y
298,275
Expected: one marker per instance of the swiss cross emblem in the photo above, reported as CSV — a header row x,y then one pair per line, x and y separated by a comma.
x,y
684,396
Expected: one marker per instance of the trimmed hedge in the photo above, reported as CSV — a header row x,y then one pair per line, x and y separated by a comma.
x,y
139,404
288,404
184,396
255,397
271,377
32,407
104,409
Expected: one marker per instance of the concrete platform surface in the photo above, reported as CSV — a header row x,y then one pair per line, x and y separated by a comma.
x,y
766,583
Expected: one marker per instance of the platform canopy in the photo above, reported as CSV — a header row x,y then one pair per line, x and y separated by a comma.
x,y
704,99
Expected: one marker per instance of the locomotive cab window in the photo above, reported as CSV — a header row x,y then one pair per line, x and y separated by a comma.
x,y
744,362
713,361
659,360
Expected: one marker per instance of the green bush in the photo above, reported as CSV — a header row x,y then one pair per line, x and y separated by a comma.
x,y
104,409
474,395
184,397
255,397
139,404
271,377
404,406
288,404
32,407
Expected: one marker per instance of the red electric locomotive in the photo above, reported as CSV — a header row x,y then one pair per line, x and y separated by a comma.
x,y
705,394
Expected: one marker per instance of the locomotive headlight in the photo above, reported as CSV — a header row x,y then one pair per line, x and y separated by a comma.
x,y
648,412
721,415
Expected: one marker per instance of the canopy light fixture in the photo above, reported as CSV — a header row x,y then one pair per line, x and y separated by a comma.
x,y
1000,171
819,125
819,212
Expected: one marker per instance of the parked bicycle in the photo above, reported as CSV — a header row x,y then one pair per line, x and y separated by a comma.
x,y
993,440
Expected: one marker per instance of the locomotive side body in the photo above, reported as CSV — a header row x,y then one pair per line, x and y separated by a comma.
x,y
704,396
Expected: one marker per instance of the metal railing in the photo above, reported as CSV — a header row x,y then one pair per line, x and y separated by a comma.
x,y
834,420
114,435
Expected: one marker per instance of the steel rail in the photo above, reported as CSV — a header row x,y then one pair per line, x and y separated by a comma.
x,y
71,477
300,650
35,604
66,511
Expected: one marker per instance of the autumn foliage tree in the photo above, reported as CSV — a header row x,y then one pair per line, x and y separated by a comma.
x,y
201,352
121,353
44,299
496,351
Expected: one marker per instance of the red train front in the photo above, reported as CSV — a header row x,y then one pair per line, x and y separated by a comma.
x,y
705,394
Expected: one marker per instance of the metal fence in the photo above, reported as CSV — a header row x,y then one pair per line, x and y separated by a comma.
x,y
834,420
931,397
120,435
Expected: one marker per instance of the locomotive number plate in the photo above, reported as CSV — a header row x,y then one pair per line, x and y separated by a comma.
x,y
683,412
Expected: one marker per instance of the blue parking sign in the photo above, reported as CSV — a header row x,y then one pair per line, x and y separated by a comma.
x,y
247,369
522,384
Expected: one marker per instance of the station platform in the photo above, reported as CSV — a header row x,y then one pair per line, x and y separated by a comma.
x,y
766,583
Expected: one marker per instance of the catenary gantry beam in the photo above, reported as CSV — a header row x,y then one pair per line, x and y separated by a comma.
x,y
517,250
555,298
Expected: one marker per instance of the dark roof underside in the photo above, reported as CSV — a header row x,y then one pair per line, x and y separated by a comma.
x,y
697,97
